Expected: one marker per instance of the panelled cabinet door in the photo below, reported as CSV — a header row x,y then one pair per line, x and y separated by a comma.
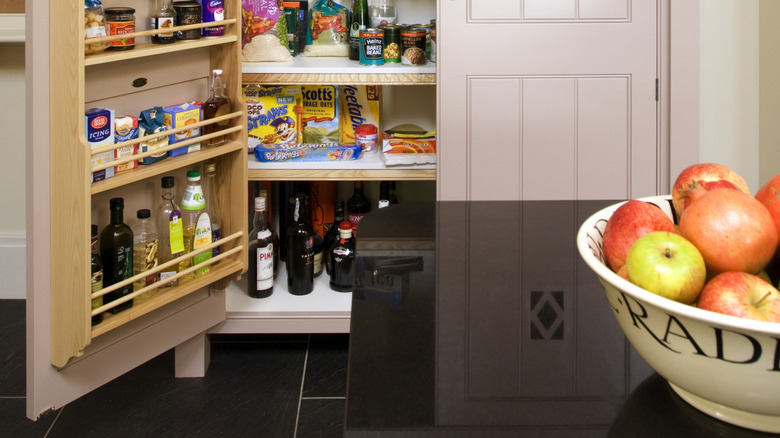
x,y
549,99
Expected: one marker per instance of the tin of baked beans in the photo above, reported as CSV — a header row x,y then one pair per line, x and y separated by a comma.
x,y
392,47
120,21
413,45
372,44
187,12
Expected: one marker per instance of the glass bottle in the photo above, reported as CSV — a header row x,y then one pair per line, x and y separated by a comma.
x,y
300,249
319,250
360,21
145,250
382,12
261,253
212,203
384,194
277,249
116,253
342,273
357,206
162,16
170,230
97,276
196,224
332,235
218,104
393,196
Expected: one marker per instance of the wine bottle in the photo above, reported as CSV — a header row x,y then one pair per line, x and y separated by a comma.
x,y
300,249
116,253
332,235
357,206
360,21
342,273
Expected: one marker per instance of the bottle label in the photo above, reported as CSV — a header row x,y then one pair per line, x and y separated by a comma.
x,y
216,234
176,232
265,267
123,266
193,198
201,239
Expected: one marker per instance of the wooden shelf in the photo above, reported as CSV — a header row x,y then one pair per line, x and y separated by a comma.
x,y
367,167
304,70
142,50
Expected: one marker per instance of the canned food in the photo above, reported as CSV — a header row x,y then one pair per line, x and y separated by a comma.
x,y
187,13
432,44
372,46
120,21
392,44
413,45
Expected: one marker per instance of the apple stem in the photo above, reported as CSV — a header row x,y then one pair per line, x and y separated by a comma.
x,y
758,304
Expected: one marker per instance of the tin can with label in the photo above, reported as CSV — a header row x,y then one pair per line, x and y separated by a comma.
x,y
392,48
187,12
413,45
120,20
372,46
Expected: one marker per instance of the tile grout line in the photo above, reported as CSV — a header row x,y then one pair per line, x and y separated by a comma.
x,y
303,379
51,426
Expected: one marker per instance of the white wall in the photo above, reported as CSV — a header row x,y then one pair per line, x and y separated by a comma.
x,y
769,86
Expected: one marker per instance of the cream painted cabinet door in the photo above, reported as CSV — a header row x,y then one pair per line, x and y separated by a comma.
x,y
549,99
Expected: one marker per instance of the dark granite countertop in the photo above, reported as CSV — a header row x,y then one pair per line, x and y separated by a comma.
x,y
480,319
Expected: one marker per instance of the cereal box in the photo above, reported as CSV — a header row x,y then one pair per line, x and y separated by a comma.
x,y
99,130
359,105
320,114
125,129
309,152
273,116
177,116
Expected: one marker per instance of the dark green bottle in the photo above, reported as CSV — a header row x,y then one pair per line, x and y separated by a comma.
x,y
360,21
116,253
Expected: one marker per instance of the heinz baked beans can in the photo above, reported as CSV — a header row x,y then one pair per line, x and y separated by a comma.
x,y
372,46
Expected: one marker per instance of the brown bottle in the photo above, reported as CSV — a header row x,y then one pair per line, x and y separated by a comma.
x,y
218,104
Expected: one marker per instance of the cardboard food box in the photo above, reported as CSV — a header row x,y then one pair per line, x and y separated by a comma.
x,y
125,129
320,114
309,152
99,131
359,105
273,115
177,116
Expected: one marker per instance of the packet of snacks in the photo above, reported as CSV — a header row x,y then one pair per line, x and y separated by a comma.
x,y
273,116
328,33
264,29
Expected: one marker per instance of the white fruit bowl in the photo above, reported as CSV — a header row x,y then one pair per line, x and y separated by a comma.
x,y
725,366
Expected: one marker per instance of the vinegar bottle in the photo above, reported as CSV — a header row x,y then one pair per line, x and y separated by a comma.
x,y
116,253
212,203
218,104
145,251
196,224
300,250
170,230
97,276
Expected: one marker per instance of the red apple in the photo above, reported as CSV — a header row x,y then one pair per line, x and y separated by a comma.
x,y
733,231
629,222
769,195
743,295
698,179
668,265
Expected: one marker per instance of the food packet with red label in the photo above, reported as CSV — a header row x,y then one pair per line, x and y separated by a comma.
x,y
264,30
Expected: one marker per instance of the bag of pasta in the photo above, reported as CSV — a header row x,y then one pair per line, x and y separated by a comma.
x,y
328,33
264,29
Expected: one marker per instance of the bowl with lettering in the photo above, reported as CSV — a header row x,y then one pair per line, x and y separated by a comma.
x,y
725,366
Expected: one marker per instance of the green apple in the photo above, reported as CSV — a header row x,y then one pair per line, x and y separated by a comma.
x,y
668,265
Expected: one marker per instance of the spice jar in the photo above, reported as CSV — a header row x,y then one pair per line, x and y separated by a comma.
x,y
120,21
187,12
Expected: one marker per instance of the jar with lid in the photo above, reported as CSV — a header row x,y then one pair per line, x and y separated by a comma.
x,y
187,12
94,26
119,21
163,16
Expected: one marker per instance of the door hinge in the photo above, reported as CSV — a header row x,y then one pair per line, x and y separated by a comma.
x,y
657,89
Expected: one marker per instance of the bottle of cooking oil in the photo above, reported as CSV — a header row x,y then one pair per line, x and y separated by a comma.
x,y
197,224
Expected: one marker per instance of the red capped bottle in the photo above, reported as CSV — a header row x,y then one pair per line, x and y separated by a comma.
x,y
342,273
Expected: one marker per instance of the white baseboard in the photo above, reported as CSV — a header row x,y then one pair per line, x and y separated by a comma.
x,y
13,266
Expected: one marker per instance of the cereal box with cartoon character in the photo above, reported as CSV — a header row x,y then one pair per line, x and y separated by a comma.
x,y
273,116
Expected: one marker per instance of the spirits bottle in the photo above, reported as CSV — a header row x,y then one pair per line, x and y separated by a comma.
x,y
357,206
170,230
145,251
261,253
277,248
196,224
300,249
382,12
218,104
332,235
162,16
116,253
393,196
212,203
360,21
384,194
97,275
342,273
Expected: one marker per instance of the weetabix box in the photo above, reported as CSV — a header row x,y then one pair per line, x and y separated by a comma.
x,y
177,116
99,131
125,129
320,115
359,105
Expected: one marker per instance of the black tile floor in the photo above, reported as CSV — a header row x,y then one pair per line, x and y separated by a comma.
x,y
256,386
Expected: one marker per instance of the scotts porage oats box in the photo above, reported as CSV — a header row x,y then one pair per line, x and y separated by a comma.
x,y
178,116
125,129
273,116
320,114
359,105
99,131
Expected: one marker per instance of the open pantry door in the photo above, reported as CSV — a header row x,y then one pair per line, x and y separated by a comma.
x,y
62,203
550,99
